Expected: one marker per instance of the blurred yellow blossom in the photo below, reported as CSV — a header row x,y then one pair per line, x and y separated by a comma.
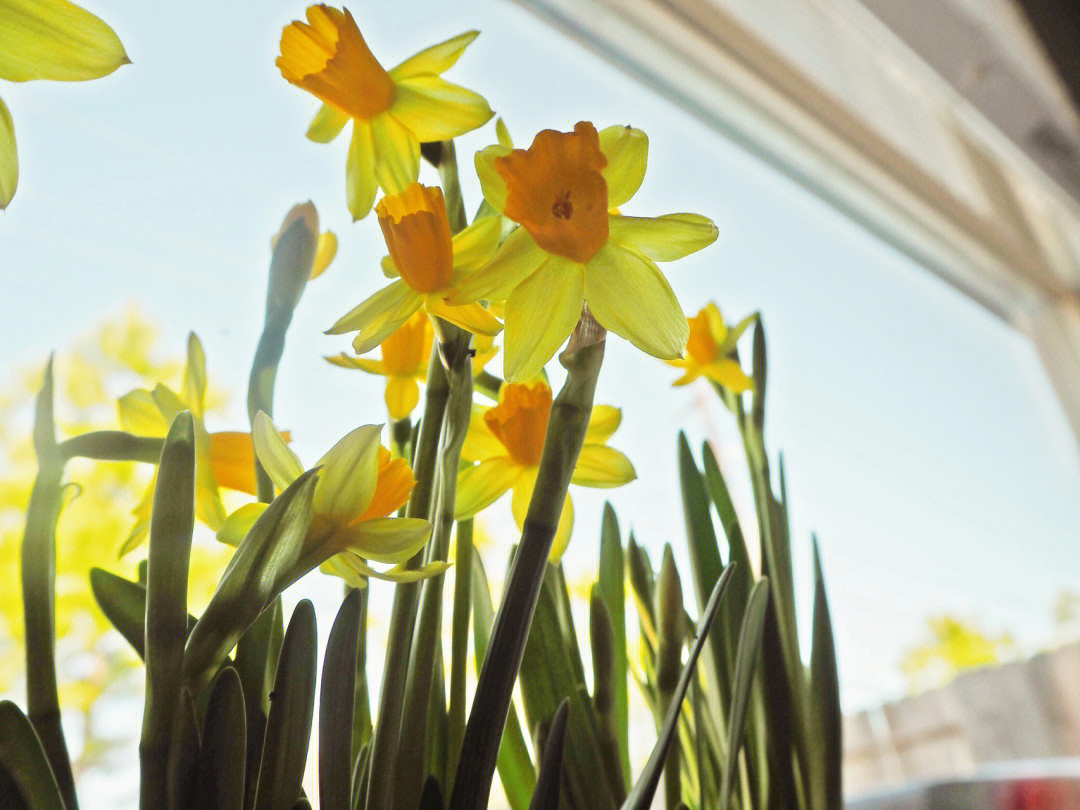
x,y
571,249
403,361
392,112
429,261
708,351
508,440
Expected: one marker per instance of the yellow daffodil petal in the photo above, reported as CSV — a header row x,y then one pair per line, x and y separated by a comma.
x,y
386,540
139,414
168,402
436,59
690,374
359,569
280,462
627,153
327,124
482,484
389,269
55,39
325,251
491,182
208,506
470,317
350,474
360,181
437,110
368,364
239,523
9,158
392,304
523,494
517,259
474,245
603,421
663,239
347,566
402,394
729,374
195,375
397,154
602,466
629,296
232,458
503,134
480,442
541,313
136,538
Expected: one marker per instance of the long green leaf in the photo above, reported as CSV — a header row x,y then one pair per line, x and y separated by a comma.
x,y
336,706
826,719
124,604
22,760
288,728
641,795
224,751
753,629
171,525
550,780
611,586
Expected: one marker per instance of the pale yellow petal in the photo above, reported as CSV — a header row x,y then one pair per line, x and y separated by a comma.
x,y
385,306
663,239
399,573
368,364
325,251
9,158
603,421
541,313
438,110
503,134
239,523
389,269
397,154
517,259
386,540
627,153
470,317
349,475
729,374
629,296
195,375
477,243
55,39
360,182
280,462
139,414
327,124
491,182
480,442
436,59
482,484
402,395
602,466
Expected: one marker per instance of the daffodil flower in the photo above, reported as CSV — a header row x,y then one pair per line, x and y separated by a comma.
x,y
48,39
359,486
429,261
708,351
326,243
572,249
403,361
392,112
224,459
508,440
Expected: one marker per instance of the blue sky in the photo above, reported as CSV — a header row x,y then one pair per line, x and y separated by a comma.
x,y
922,441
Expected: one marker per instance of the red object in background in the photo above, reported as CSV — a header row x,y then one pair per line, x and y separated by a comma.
x,y
1038,794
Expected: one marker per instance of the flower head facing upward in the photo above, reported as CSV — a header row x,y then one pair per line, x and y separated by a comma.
x,y
571,249
508,440
403,361
430,262
224,459
708,351
359,487
392,112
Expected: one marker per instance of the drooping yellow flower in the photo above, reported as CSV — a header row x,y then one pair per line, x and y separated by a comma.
x,y
708,351
508,440
224,459
403,361
48,39
393,112
359,487
430,263
571,249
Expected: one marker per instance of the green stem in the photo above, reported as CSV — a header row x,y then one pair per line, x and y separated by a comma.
x,y
38,568
562,445
488,384
459,645
112,445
